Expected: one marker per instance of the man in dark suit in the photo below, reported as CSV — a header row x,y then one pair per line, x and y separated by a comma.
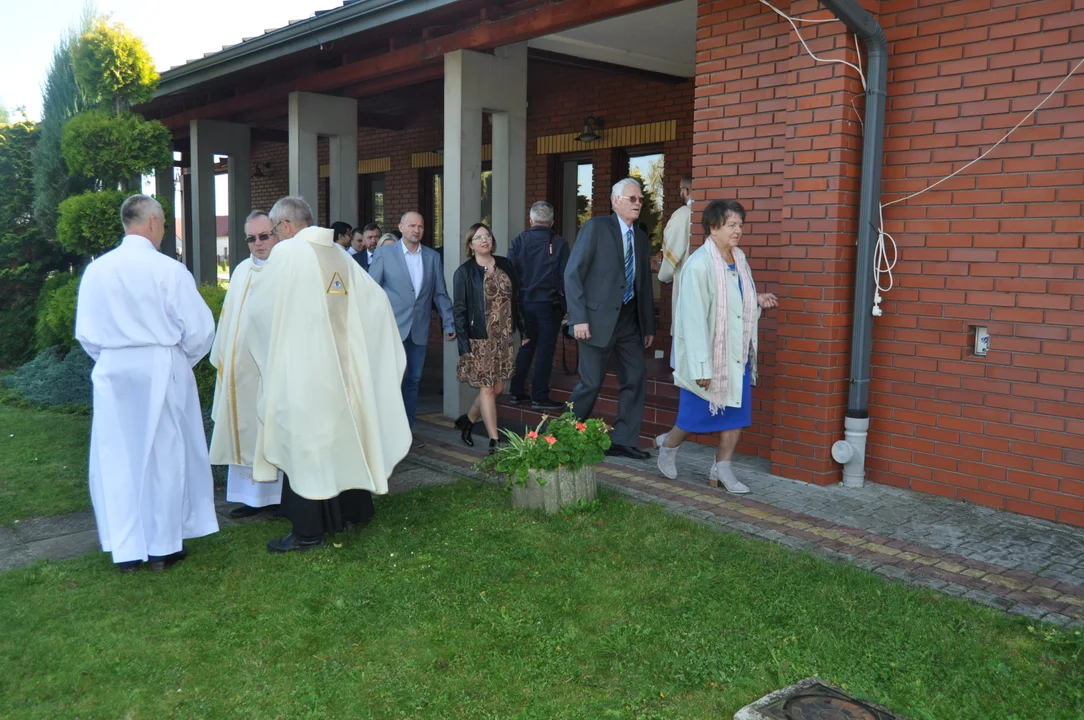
x,y
363,245
413,277
612,312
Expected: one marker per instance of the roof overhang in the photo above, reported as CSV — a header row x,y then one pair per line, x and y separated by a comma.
x,y
324,27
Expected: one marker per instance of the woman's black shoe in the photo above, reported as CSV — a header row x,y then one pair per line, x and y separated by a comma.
x,y
466,429
492,446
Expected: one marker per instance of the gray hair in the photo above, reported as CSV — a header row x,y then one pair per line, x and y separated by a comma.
x,y
686,182
621,184
293,209
542,213
386,238
256,214
138,209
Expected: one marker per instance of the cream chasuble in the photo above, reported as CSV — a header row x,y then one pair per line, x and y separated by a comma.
x,y
324,339
233,439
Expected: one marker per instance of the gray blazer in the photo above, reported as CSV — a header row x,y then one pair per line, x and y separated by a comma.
x,y
412,313
595,280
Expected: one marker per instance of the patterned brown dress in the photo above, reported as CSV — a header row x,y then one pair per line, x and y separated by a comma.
x,y
493,359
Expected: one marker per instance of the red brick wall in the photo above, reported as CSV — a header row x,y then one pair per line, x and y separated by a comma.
x,y
999,246
777,133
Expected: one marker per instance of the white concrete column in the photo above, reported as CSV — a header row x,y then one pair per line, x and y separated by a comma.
x,y
210,138
311,116
475,83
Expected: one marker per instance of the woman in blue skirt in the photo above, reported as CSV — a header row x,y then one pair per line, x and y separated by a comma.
x,y
715,344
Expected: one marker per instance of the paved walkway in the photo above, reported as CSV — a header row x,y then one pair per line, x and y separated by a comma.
x,y
1019,564
1023,565
66,536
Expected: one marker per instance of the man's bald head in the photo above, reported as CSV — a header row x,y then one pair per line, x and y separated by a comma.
x,y
412,226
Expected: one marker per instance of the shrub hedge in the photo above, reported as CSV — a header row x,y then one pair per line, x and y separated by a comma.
x,y
55,324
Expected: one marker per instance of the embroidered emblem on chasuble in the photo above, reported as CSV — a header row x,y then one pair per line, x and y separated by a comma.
x,y
336,286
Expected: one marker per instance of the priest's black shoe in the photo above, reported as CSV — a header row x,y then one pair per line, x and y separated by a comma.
x,y
128,567
292,543
547,404
518,399
627,451
161,563
244,511
466,429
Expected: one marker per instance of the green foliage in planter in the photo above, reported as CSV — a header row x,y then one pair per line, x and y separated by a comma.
x,y
54,379
90,223
565,441
55,324
214,295
112,148
113,66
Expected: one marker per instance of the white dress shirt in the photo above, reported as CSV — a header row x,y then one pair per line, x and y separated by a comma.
x,y
414,267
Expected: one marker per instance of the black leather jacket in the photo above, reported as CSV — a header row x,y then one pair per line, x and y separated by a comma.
x,y
469,306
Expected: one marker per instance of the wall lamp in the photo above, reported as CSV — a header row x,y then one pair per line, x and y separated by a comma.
x,y
590,126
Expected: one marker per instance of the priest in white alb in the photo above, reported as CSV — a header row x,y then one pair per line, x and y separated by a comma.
x,y
330,412
141,319
234,410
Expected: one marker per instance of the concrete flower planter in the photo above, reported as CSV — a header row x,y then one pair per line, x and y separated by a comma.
x,y
559,488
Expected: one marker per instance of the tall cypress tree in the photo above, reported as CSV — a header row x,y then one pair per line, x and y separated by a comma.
x,y
62,99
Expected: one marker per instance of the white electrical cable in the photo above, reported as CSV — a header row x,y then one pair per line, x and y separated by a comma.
x,y
882,265
793,24
992,147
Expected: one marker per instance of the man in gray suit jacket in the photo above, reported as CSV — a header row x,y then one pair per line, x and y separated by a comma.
x,y
612,312
412,276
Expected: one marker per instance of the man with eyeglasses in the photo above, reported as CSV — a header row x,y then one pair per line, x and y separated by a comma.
x,y
611,309
234,409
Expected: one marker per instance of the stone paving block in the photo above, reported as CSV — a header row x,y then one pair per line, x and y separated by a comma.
x,y
63,547
47,527
8,540
15,557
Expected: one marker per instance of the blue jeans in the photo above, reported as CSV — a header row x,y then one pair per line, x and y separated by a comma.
x,y
415,362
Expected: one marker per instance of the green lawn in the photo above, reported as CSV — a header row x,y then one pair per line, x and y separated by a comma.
x,y
450,605
43,463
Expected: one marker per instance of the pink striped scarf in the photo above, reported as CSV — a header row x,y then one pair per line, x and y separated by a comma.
x,y
720,359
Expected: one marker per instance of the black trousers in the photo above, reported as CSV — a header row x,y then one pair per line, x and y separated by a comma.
x,y
543,325
312,519
626,346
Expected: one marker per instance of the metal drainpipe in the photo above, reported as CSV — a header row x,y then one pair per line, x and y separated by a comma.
x,y
851,451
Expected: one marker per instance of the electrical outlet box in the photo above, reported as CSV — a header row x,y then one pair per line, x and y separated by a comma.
x,y
982,340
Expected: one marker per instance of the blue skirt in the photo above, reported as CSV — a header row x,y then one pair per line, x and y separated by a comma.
x,y
694,412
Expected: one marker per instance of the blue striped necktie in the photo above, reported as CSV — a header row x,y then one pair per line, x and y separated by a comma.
x,y
630,272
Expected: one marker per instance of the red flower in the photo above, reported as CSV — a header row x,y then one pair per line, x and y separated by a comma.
x,y
581,427
551,439
532,435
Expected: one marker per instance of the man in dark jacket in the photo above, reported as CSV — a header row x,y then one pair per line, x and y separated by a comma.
x,y
539,256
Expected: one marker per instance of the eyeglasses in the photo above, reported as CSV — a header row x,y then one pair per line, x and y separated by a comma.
x,y
634,199
262,237
482,237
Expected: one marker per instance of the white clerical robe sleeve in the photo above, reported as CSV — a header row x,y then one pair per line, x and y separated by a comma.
x,y
84,319
192,315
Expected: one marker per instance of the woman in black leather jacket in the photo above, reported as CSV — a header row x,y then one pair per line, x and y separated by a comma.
x,y
487,311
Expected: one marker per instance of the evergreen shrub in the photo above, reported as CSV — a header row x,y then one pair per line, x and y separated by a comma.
x,y
55,326
54,379
89,224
